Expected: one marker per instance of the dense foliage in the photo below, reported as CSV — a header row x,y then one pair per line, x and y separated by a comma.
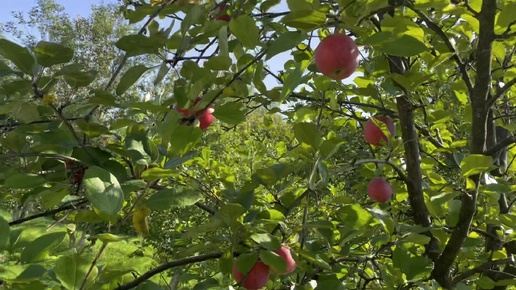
x,y
111,180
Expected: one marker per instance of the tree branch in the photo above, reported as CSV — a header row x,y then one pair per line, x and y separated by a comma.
x,y
482,268
70,205
434,27
163,267
500,145
501,92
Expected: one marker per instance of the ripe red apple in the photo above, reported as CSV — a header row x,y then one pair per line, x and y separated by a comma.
x,y
379,190
78,170
373,133
336,56
257,277
222,12
284,252
206,118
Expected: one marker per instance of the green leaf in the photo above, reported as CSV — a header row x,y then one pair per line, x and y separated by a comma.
x,y
273,260
108,238
39,249
72,270
24,180
32,272
308,133
384,218
292,80
76,75
314,258
245,262
485,282
475,164
138,44
230,113
5,233
404,46
20,56
169,198
103,190
245,30
91,129
412,266
506,15
271,214
130,77
284,42
49,54
267,241
304,19
184,139
231,212
162,72
218,62
354,216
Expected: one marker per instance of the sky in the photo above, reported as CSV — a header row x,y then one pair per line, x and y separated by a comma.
x,y
73,7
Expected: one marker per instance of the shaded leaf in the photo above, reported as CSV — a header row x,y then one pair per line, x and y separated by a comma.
x,y
245,30
72,270
20,56
103,190
49,54
39,249
168,198
24,180
308,133
304,19
130,77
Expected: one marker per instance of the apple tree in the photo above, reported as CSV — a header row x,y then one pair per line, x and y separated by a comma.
x,y
378,154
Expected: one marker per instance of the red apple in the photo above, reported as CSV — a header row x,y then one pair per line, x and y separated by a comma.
x,y
257,277
78,170
337,56
379,190
284,252
373,133
206,118
184,112
222,12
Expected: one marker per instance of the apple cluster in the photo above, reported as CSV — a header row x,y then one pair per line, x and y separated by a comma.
x,y
77,171
205,117
259,274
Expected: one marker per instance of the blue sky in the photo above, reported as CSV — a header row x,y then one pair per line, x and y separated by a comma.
x,y
73,7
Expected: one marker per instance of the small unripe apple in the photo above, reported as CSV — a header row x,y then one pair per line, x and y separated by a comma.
x,y
379,190
373,133
257,277
284,252
337,56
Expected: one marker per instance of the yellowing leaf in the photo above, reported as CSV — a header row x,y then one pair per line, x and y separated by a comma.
x,y
49,99
141,220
